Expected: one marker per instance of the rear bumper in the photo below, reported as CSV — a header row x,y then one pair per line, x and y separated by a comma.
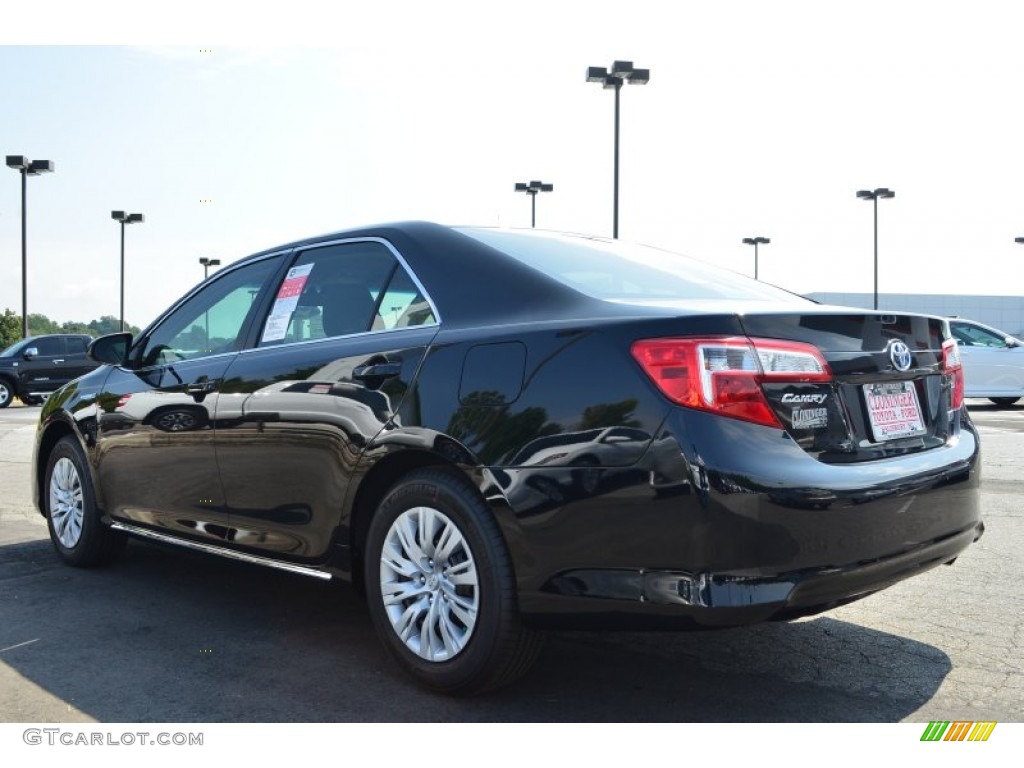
x,y
673,599
760,531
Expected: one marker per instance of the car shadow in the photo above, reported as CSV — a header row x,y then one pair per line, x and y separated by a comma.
x,y
172,636
988,406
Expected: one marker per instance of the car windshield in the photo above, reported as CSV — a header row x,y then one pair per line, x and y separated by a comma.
x,y
626,272
15,348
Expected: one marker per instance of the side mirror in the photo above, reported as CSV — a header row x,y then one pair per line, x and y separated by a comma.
x,y
112,349
29,353
1012,342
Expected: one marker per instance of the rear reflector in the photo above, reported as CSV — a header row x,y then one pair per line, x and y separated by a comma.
x,y
952,367
724,375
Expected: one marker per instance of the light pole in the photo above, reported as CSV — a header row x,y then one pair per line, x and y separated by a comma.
x,y
207,263
125,218
532,188
873,196
756,241
622,72
27,168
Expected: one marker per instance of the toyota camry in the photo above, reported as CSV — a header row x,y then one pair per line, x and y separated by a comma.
x,y
494,432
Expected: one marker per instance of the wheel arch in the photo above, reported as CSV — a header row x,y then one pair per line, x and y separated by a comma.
x,y
56,430
387,471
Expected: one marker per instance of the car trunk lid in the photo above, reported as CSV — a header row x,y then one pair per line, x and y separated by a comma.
x,y
889,393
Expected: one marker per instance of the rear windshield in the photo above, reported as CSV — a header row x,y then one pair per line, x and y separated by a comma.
x,y
626,272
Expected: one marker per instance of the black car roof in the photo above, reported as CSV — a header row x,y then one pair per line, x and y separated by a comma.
x,y
453,267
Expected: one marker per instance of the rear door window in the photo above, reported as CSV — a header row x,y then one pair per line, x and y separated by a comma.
x,y
341,290
76,346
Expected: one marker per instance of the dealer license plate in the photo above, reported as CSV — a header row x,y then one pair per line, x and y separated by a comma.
x,y
893,410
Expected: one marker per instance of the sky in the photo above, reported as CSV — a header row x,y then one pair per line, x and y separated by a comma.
x,y
234,128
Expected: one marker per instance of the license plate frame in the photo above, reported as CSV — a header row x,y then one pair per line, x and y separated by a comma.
x,y
893,410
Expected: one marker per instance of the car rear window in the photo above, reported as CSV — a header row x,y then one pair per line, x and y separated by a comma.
x,y
627,272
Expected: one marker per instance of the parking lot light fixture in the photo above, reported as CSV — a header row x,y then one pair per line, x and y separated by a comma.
x,y
207,263
125,218
621,72
873,196
26,168
756,241
532,188
1018,240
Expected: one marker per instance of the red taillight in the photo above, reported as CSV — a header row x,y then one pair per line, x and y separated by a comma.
x,y
724,375
952,367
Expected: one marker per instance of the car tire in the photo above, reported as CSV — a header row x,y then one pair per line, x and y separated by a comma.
x,y
27,400
441,589
6,393
1004,402
76,531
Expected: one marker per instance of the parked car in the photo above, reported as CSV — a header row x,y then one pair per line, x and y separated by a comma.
x,y
993,362
495,432
34,367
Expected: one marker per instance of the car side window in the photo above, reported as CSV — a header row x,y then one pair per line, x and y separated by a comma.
x,y
342,289
76,346
404,305
212,321
48,347
973,336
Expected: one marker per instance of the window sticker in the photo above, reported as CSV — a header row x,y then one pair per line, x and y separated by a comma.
x,y
286,301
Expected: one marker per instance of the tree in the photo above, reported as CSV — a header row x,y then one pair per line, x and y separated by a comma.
x,y
485,426
110,324
39,324
10,328
610,415
73,326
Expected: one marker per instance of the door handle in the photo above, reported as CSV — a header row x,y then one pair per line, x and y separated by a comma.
x,y
201,387
380,371
58,361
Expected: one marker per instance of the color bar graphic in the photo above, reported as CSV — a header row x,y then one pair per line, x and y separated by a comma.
x,y
958,730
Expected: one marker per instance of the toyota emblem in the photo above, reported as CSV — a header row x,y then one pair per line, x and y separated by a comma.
x,y
899,353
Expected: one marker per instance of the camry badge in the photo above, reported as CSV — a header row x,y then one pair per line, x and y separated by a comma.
x,y
899,353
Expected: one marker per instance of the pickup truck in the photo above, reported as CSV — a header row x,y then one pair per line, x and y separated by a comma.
x,y
32,368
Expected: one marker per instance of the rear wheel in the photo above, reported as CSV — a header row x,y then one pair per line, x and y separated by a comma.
x,y
440,587
6,393
79,536
1004,402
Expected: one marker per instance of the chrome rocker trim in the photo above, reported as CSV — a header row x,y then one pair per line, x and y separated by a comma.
x,y
212,549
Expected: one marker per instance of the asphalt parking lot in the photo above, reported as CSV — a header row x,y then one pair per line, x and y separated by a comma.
x,y
172,636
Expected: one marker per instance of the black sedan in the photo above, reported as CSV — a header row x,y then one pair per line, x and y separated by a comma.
x,y
494,432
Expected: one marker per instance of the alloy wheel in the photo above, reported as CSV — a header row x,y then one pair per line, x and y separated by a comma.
x,y
429,584
66,505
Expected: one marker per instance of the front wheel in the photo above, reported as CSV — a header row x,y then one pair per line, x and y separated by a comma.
x,y
79,536
441,589
6,393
